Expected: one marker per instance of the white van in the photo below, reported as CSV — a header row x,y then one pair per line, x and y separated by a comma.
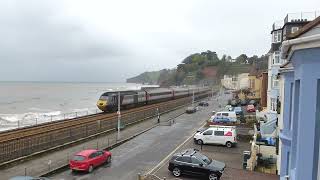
x,y
224,116
224,135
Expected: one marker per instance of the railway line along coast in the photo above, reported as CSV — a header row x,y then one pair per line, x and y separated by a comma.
x,y
30,142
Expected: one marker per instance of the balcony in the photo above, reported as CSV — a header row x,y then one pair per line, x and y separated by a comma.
x,y
301,17
296,17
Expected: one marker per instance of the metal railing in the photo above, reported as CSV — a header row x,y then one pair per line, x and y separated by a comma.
x,y
25,122
296,17
301,17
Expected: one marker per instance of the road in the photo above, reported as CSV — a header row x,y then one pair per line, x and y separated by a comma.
x,y
147,150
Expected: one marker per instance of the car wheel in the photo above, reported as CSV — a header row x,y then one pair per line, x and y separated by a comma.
x,y
90,169
213,176
108,161
200,141
176,172
229,144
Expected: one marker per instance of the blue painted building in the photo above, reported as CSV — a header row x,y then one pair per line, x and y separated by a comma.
x,y
300,104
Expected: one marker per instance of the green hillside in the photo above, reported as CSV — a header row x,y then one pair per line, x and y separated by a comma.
x,y
202,68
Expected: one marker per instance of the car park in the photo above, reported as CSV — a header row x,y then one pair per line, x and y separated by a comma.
x,y
192,162
191,109
224,117
87,160
251,108
238,110
222,135
203,103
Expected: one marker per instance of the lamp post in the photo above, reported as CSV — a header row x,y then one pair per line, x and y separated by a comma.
x,y
119,116
192,98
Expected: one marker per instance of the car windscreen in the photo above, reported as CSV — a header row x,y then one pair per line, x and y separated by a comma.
x,y
203,158
78,158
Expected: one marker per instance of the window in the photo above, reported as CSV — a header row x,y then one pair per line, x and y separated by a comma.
x,y
316,162
276,57
93,155
185,159
209,132
275,83
225,114
276,36
294,29
78,158
195,161
290,105
252,83
219,133
273,104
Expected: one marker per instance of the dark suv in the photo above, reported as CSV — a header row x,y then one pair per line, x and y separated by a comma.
x,y
192,162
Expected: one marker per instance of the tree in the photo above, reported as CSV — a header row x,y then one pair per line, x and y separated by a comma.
x,y
241,59
224,58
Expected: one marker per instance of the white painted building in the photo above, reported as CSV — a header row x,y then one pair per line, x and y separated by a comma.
x,y
236,82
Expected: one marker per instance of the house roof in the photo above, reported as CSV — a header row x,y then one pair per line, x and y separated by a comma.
x,y
306,28
287,65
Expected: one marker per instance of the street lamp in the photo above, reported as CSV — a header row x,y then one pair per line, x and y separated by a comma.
x,y
119,116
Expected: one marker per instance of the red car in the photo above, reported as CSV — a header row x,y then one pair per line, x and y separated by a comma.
x,y
251,108
86,160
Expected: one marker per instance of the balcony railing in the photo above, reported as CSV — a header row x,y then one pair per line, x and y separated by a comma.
x,y
301,17
296,17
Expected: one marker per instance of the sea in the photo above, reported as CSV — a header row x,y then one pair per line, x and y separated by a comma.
x,y
29,103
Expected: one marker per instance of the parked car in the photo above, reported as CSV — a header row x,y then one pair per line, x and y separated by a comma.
x,y
253,102
222,135
203,103
243,102
251,108
191,109
238,110
224,117
87,160
192,162
28,178
234,102
229,107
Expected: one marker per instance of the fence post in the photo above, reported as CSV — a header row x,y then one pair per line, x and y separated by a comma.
x,y
76,114
25,171
97,144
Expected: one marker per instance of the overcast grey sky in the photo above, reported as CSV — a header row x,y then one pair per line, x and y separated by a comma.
x,y
109,41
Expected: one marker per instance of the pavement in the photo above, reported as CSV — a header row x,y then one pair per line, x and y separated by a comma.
x,y
145,151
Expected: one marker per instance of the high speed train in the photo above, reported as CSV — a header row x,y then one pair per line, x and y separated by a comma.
x,y
108,101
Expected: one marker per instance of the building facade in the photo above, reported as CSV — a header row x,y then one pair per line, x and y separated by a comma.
x,y
300,99
281,32
235,82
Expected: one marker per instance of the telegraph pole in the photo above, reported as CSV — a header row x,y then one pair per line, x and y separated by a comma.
x,y
119,116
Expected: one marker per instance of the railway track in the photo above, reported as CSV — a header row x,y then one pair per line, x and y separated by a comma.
x,y
61,124
18,143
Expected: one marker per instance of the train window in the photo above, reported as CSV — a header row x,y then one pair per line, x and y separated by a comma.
x,y
104,98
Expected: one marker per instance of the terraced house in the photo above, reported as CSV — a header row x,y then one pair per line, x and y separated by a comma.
x,y
300,113
283,32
